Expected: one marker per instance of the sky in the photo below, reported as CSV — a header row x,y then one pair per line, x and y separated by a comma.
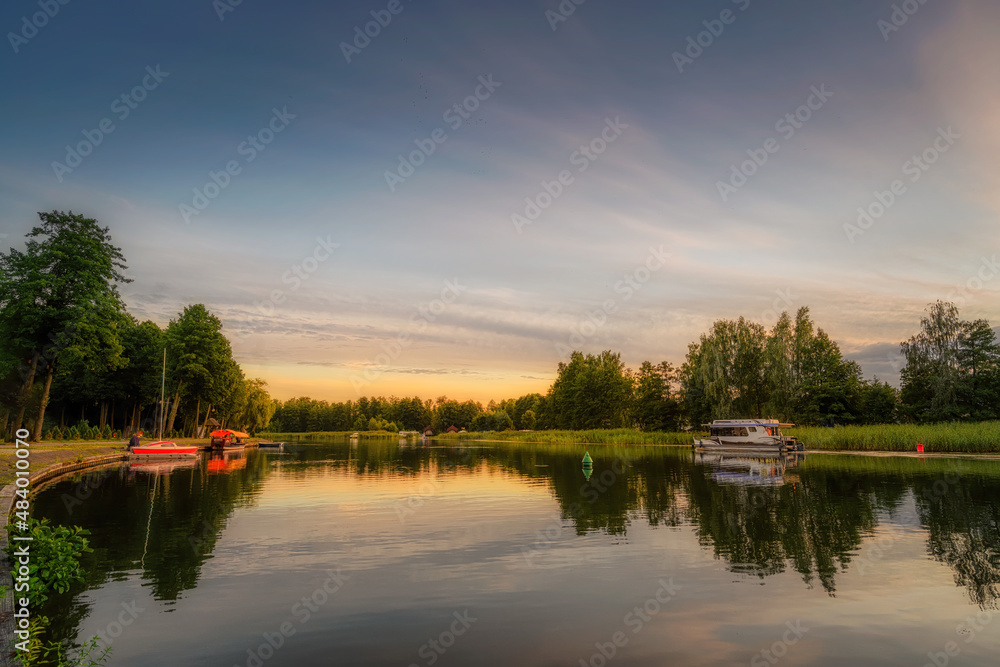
x,y
419,197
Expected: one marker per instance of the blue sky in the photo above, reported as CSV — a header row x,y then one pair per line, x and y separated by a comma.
x,y
336,284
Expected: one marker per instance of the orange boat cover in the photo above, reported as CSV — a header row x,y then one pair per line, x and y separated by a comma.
x,y
225,432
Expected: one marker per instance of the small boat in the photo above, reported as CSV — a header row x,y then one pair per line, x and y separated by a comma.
x,y
747,435
274,445
228,439
165,449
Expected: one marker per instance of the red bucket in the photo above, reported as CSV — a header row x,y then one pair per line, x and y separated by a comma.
x,y
920,448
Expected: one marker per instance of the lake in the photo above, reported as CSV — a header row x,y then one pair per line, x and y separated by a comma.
x,y
382,553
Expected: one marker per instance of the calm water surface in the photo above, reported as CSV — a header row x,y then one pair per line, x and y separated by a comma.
x,y
384,554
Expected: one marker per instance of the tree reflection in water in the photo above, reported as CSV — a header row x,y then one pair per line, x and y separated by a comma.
x,y
808,515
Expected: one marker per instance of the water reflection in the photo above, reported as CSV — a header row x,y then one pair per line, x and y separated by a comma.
x,y
812,516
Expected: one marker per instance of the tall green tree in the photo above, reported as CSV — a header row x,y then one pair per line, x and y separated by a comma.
x,y
259,407
979,367
59,303
930,378
794,372
656,408
723,376
591,392
199,360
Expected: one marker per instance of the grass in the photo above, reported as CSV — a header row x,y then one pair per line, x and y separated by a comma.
x,y
617,436
327,435
951,437
968,437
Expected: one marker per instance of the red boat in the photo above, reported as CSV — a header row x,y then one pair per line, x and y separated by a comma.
x,y
165,449
228,439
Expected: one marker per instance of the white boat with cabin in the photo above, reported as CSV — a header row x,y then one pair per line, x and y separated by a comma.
x,y
754,435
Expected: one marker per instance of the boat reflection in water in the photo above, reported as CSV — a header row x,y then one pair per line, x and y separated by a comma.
x,y
749,469
226,461
160,467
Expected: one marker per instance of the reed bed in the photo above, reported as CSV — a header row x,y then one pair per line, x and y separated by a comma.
x,y
968,437
620,436
950,437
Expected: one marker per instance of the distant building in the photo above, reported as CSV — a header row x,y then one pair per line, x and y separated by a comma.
x,y
428,431
451,429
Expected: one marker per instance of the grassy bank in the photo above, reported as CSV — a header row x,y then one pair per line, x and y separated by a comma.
x,y
619,436
973,438
43,455
969,437
325,435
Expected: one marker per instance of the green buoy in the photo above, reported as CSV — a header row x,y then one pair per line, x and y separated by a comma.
x,y
587,461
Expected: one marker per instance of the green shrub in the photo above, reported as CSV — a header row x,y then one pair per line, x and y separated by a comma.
x,y
55,557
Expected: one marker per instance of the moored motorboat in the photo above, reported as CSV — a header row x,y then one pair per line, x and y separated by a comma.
x,y
165,449
228,439
750,435
273,445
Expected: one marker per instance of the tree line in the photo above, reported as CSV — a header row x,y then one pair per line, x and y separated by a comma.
x,y
793,372
70,344
73,356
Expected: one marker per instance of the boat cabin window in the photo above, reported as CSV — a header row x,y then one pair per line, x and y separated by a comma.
x,y
729,431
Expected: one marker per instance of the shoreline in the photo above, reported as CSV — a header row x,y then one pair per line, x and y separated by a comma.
x,y
652,439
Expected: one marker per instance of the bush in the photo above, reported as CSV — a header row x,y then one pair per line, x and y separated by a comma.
x,y
55,557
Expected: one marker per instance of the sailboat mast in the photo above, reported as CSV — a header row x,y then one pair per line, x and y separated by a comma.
x,y
163,386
